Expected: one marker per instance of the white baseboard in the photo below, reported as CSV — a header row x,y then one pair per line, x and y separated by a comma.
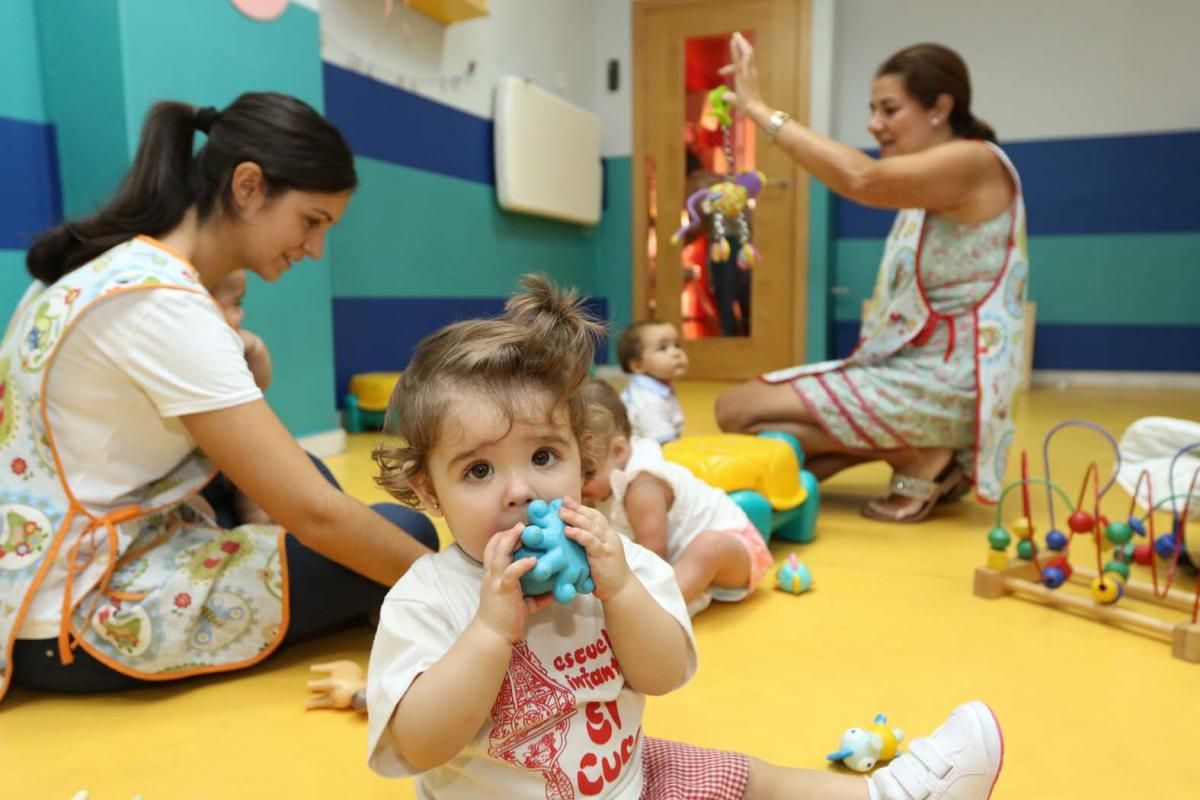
x,y
325,444
1063,378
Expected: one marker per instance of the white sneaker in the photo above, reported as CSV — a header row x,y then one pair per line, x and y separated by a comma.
x,y
961,760
699,603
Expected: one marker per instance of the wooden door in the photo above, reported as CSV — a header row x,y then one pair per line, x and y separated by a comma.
x,y
728,332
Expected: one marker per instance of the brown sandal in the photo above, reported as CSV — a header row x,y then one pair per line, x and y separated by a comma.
x,y
929,492
958,492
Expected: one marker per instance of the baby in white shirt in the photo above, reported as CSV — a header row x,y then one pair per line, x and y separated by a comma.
x,y
716,551
650,353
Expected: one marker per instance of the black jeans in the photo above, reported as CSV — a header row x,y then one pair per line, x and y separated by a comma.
x,y
323,595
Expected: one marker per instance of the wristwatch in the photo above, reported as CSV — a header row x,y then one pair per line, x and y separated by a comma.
x,y
776,121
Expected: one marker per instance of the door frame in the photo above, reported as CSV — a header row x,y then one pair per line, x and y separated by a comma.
x,y
798,105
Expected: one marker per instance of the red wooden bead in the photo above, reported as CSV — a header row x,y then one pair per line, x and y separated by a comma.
x,y
1080,522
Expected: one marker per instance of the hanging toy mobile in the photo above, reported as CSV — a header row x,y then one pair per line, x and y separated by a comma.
x,y
726,201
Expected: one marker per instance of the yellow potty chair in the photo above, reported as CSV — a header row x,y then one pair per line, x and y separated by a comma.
x,y
367,400
763,474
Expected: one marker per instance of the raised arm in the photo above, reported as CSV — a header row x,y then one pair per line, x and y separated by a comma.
x,y
960,177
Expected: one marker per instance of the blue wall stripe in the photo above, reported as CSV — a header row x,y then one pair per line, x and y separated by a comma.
x,y
390,124
380,333
31,200
1142,183
1136,348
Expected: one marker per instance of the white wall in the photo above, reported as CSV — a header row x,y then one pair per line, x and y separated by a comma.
x,y
548,41
613,35
563,45
1039,69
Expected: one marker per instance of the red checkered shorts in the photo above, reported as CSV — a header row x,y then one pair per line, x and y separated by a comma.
x,y
676,771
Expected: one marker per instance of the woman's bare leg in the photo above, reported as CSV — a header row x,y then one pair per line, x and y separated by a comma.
x,y
755,406
829,464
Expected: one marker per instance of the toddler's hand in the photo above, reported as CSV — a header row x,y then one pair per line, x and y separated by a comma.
x,y
503,608
340,688
606,555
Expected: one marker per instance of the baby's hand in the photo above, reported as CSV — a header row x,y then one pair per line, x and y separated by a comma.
x,y
503,608
340,688
258,358
606,555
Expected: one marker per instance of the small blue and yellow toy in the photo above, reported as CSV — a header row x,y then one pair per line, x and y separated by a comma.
x,y
562,565
862,748
793,576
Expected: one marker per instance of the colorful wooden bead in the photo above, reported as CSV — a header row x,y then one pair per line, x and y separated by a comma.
x,y
1080,522
1119,567
1061,563
1022,528
999,539
1107,588
1165,546
1118,532
1056,540
997,559
1053,577
1025,549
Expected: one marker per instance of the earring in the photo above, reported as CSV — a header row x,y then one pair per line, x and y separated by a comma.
x,y
436,506
935,121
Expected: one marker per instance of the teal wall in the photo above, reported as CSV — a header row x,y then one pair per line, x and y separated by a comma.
x,y
207,53
413,233
83,74
614,245
820,267
20,78
20,101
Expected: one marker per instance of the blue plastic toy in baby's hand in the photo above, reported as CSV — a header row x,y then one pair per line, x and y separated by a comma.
x,y
562,565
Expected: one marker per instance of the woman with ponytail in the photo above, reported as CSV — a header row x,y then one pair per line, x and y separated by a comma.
x,y
929,388
113,420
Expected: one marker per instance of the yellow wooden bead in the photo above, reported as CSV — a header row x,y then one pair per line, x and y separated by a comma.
x,y
1107,588
997,559
1021,527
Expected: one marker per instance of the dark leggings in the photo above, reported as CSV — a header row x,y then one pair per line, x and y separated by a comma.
x,y
324,597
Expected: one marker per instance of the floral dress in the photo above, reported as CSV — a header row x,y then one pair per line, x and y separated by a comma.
x,y
925,394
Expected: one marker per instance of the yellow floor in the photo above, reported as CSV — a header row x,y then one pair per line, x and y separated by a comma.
x,y
891,626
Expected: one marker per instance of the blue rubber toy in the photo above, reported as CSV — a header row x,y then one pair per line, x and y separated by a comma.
x,y
562,565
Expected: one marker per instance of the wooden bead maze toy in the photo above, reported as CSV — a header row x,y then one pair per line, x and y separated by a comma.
x,y
1038,575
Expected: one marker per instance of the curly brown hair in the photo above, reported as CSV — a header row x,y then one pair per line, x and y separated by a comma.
x,y
544,342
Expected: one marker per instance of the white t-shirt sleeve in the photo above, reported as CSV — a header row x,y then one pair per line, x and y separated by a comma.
x,y
177,348
659,579
412,636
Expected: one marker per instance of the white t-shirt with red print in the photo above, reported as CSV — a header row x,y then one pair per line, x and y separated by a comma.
x,y
564,724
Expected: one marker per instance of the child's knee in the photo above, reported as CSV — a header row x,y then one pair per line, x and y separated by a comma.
x,y
719,550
